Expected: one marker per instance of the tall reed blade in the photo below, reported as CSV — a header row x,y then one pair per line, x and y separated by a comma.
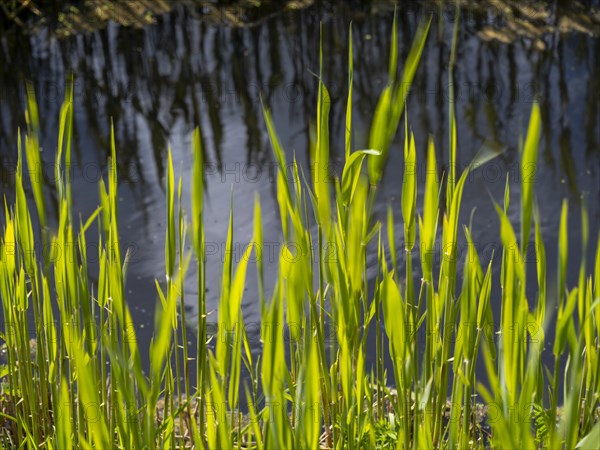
x,y
392,100
528,174
321,177
348,135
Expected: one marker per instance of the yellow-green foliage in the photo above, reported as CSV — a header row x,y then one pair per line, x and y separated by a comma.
x,y
307,392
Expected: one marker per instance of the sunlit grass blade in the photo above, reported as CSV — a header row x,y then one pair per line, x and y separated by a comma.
x,y
284,197
170,245
453,141
32,150
409,193
351,173
258,240
429,222
308,395
225,310
236,324
392,101
540,251
321,177
528,174
217,430
273,375
65,137
348,135
197,209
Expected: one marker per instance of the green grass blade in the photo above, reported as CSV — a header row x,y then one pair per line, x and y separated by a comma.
x,y
528,174
348,135
391,104
409,193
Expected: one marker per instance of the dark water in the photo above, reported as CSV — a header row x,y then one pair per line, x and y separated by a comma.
x,y
159,82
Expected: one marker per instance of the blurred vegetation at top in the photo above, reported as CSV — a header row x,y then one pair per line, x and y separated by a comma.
x,y
66,17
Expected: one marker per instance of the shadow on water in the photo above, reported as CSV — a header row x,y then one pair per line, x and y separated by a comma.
x,y
160,80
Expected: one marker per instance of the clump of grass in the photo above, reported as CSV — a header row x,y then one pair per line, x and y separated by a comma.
x,y
308,394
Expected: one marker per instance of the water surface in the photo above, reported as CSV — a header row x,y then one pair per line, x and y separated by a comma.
x,y
158,82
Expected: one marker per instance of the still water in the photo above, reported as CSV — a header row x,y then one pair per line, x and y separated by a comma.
x,y
160,81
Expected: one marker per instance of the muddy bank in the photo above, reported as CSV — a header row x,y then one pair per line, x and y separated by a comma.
x,y
506,19
71,17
